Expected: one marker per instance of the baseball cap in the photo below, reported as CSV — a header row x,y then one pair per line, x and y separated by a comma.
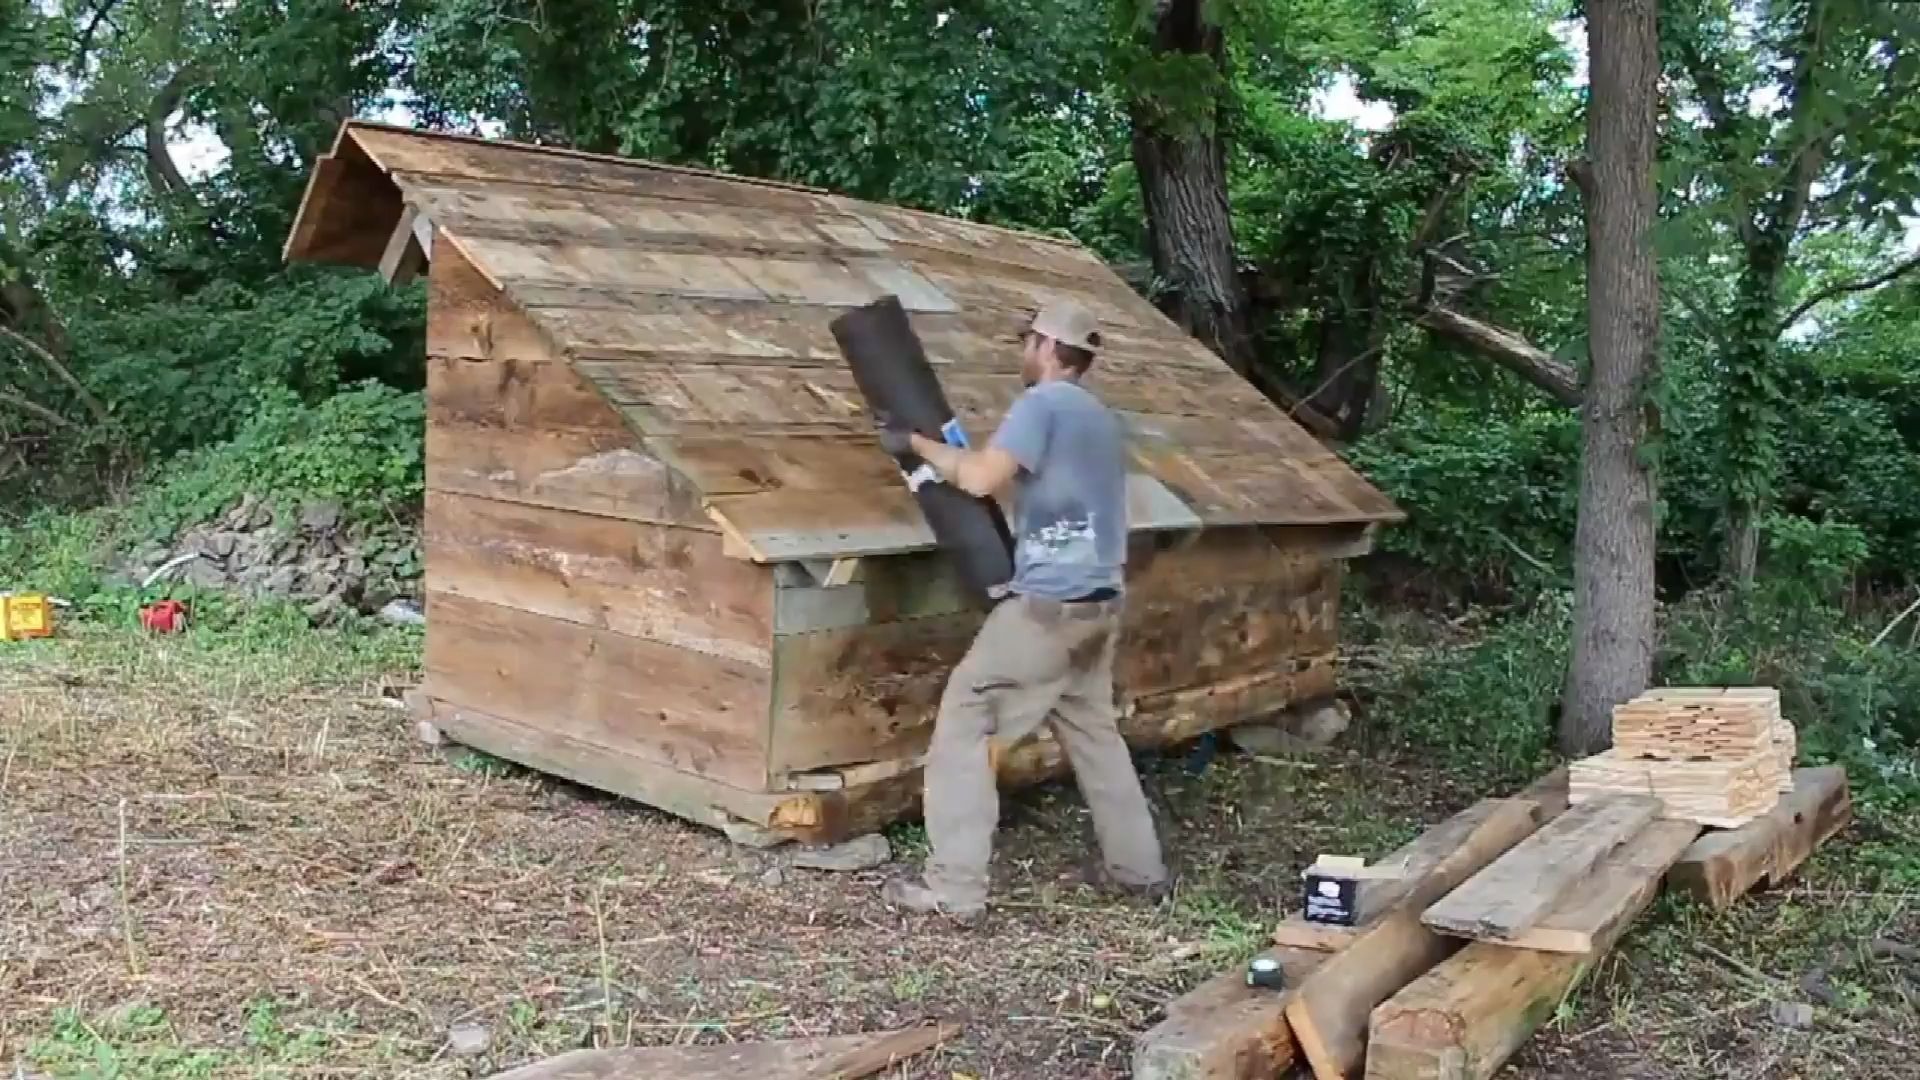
x,y
1067,322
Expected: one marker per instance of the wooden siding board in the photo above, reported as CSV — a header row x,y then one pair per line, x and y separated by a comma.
x,y
692,711
657,582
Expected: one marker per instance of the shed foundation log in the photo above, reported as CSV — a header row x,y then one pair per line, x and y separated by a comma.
x,y
1226,1030
1721,867
1329,1011
1526,883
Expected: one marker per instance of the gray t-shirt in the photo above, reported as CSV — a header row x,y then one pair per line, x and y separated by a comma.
x,y
1070,507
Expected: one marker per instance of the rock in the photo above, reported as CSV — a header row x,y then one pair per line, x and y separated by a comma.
x,y
774,878
320,516
326,609
859,853
354,567
204,574
319,584
1793,1014
403,613
1322,722
1270,740
469,1040
221,544
279,581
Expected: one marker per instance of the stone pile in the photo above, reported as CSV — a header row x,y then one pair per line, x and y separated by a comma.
x,y
313,556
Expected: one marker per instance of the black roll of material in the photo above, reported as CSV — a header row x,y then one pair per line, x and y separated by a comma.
x,y
891,370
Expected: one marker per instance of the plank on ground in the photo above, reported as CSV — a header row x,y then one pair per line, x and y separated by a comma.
x,y
1466,1017
1527,882
1623,884
1721,866
1329,1012
1224,1029
838,1057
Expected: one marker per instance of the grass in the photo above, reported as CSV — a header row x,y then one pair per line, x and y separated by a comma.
x,y
222,855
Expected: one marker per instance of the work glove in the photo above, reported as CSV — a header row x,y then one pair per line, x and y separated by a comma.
x,y
895,438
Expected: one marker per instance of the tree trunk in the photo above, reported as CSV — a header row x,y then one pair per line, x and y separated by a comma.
x,y
1613,617
1510,350
1750,404
1183,181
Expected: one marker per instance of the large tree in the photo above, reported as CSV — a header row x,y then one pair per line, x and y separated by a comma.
x,y
1613,618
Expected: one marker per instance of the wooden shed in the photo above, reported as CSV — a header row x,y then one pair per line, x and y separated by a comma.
x,y
665,556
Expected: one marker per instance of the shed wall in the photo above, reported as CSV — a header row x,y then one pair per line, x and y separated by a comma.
x,y
573,588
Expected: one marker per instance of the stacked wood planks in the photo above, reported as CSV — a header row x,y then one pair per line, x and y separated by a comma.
x,y
1715,756
1476,934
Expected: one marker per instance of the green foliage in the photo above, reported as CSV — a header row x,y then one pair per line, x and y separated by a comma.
x,y
139,1042
1483,701
1491,500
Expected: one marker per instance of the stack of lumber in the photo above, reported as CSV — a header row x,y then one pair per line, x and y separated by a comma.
x,y
1719,757
1479,931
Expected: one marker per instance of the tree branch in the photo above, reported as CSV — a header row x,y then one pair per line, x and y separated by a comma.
x,y
1722,123
85,44
1504,347
1892,273
10,398
60,370
162,171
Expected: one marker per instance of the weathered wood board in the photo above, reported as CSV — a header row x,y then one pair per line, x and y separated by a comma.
x,y
665,584
1721,867
1226,1030
704,714
837,1057
1528,882
1466,1017
1329,1012
1622,885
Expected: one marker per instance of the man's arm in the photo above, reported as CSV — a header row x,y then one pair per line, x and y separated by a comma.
x,y
979,473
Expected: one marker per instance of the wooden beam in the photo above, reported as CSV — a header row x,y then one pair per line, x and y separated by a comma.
x,y
1526,883
1621,886
1329,1012
1226,1030
1466,1017
1722,866
1504,347
405,256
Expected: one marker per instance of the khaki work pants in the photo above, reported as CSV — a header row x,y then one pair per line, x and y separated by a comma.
x,y
1033,660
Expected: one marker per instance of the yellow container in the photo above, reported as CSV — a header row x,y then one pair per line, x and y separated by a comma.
x,y
25,615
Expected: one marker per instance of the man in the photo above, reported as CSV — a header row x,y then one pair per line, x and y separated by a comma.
x,y
1046,651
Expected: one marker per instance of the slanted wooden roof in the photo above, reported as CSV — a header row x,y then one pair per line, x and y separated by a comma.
x,y
699,305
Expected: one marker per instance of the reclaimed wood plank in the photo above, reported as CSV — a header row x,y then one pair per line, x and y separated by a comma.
x,y
590,472
1526,883
642,580
1329,1013
1620,887
1224,1029
1721,867
469,318
695,712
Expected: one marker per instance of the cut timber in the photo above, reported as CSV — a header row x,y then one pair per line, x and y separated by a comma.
x,y
1329,1010
1696,723
1526,883
1621,886
1721,867
1224,1029
1723,794
1411,862
405,255
841,1057
1466,1017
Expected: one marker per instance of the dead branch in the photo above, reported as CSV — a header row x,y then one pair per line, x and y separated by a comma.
x,y
1508,349
25,404
60,370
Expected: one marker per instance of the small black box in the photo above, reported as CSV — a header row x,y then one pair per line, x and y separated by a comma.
x,y
1332,892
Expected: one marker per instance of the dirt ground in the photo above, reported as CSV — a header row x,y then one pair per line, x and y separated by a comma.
x,y
222,866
